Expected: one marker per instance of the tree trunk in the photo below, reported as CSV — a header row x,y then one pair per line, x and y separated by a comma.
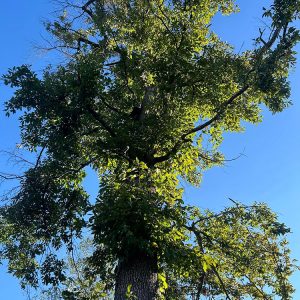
x,y
139,276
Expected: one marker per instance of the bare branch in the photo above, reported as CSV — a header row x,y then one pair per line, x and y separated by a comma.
x,y
112,63
226,212
270,43
9,176
16,158
78,169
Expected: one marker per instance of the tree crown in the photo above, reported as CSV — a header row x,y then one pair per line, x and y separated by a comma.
x,y
146,83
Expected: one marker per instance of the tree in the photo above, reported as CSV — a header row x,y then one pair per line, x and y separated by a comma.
x,y
236,252
145,83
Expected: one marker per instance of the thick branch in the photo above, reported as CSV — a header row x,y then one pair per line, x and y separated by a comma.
x,y
219,114
78,169
200,286
89,42
97,117
110,106
184,138
269,44
169,154
145,102
87,10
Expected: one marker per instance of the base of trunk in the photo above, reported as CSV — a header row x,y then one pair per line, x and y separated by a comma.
x,y
139,276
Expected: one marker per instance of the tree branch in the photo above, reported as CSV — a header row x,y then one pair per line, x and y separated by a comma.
x,y
97,117
87,10
221,281
269,44
199,241
8,176
78,169
162,21
89,42
110,106
256,287
266,46
220,112
39,157
170,153
184,136
145,102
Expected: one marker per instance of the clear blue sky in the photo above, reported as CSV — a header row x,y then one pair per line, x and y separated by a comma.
x,y
269,169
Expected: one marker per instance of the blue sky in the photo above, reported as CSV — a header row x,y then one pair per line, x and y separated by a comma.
x,y
269,169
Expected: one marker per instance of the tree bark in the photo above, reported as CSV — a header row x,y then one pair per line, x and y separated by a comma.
x,y
139,276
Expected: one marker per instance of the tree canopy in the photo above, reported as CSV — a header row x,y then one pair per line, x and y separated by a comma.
x,y
146,84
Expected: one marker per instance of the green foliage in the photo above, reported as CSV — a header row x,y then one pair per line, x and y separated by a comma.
x,y
146,82
228,254
240,252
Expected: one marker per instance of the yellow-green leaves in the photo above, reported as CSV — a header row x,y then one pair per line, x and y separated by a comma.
x,y
207,262
162,280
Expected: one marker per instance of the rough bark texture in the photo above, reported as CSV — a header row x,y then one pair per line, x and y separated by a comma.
x,y
139,272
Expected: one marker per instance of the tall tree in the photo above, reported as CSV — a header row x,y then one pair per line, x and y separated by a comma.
x,y
145,83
